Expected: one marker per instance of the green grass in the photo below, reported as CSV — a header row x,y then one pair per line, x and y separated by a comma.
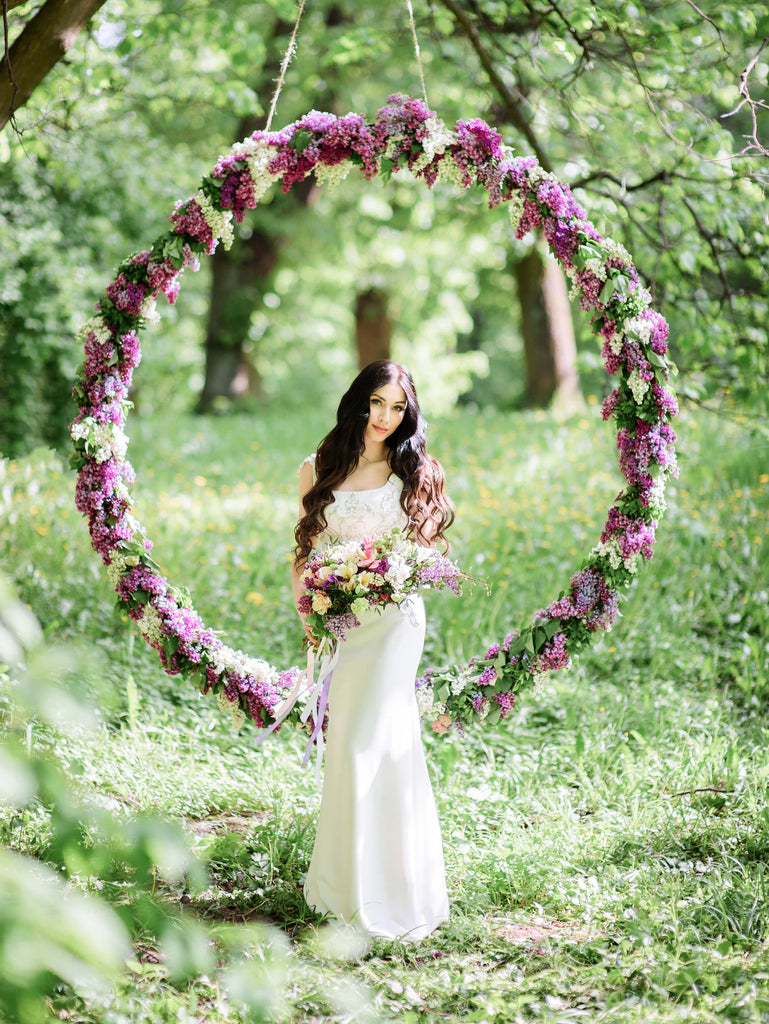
x,y
606,848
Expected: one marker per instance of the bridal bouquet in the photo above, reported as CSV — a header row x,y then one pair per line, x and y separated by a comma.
x,y
346,579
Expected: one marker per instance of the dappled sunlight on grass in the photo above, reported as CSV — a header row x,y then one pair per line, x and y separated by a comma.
x,y
605,848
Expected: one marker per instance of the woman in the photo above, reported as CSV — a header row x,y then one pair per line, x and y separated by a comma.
x,y
377,861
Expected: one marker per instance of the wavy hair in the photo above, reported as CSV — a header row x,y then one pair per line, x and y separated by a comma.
x,y
428,508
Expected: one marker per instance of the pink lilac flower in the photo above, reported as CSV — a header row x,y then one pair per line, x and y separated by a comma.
x,y
492,652
126,295
554,654
634,536
610,403
237,193
652,443
488,676
659,331
130,352
562,239
404,117
591,286
476,151
288,161
350,136
98,356
188,219
142,578
531,218
665,401
608,328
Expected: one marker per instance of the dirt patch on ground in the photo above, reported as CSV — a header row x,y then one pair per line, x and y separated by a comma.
x,y
241,822
545,931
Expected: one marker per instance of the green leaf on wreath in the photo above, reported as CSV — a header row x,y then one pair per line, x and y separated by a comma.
x,y
386,168
301,140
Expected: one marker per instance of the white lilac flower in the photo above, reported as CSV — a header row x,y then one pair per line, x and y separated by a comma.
x,y
150,625
105,440
597,266
515,207
97,327
330,177
425,699
149,309
225,659
657,503
640,328
220,221
616,342
637,385
450,174
116,568
438,139
258,156
616,251
611,549
465,677
231,707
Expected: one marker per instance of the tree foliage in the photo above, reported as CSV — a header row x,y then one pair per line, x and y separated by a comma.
x,y
654,118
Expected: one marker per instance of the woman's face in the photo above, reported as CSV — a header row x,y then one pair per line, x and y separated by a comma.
x,y
387,407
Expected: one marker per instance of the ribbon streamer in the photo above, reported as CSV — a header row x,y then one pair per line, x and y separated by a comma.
x,y
317,702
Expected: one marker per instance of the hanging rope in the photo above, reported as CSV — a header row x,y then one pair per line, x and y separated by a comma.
x,y
416,51
290,51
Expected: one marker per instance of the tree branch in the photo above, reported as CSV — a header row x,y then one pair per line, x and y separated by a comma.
x,y
510,103
42,43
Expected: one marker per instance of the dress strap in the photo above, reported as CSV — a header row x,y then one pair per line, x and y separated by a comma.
x,y
311,460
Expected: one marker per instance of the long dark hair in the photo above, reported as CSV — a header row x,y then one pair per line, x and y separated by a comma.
x,y
422,498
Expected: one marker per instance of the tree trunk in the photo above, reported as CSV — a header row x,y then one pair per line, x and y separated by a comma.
x,y
548,333
42,43
373,326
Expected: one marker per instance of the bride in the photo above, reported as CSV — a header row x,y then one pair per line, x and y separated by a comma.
x,y
378,861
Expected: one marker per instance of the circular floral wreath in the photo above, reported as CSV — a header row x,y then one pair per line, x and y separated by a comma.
x,y
404,134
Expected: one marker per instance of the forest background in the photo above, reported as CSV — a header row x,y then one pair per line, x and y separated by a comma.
x,y
655,115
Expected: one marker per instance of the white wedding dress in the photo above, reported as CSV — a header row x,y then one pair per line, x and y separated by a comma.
x,y
378,861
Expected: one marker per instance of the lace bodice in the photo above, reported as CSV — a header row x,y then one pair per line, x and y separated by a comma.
x,y
356,514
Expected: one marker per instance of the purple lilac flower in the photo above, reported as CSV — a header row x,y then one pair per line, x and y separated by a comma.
x,y
506,703
590,599
237,193
659,331
479,701
665,401
492,652
340,625
488,676
634,536
652,443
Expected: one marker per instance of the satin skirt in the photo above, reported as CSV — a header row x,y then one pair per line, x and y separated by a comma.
x,y
378,860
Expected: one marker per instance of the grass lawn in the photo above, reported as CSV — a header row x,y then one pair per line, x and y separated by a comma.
x,y
606,846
